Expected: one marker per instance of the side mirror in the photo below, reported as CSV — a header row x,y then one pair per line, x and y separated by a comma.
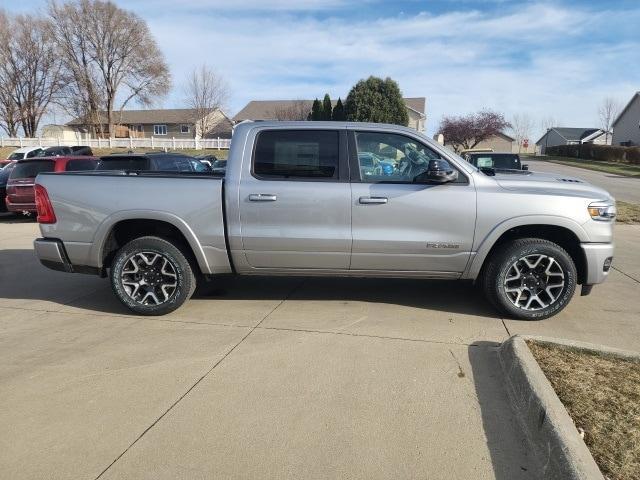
x,y
525,167
438,171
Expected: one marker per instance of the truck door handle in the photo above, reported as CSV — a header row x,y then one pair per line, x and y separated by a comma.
x,y
373,200
262,197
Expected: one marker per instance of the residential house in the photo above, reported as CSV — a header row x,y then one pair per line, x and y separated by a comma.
x,y
66,133
570,136
298,109
498,143
626,127
182,123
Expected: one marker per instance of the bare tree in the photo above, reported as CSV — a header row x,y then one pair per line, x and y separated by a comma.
x,y
521,126
9,115
110,56
205,91
608,111
548,122
295,110
39,70
464,133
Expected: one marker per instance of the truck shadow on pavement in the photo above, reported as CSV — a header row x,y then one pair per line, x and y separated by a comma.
x,y
23,278
510,455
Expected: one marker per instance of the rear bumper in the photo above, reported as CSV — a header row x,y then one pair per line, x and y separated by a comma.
x,y
599,257
53,255
20,207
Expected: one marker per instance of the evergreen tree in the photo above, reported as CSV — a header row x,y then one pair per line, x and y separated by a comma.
x,y
316,110
338,114
326,107
376,100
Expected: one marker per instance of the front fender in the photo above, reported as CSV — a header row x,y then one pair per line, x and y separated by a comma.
x,y
485,241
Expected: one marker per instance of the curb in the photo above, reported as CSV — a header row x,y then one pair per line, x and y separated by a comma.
x,y
547,425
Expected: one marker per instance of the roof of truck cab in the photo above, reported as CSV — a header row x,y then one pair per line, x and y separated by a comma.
x,y
311,125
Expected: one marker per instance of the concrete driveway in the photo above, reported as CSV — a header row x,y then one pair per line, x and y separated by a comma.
x,y
270,377
622,188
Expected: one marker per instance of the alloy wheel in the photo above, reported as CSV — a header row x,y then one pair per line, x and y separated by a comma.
x,y
534,282
149,278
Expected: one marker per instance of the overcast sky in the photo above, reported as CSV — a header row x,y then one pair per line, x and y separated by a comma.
x,y
547,59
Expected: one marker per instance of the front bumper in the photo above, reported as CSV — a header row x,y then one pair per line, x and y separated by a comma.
x,y
598,258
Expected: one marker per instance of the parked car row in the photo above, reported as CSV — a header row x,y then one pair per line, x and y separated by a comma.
x,y
17,175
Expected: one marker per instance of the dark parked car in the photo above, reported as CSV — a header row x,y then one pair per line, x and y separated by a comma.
x,y
163,162
56,151
496,161
219,166
207,158
81,150
4,178
20,192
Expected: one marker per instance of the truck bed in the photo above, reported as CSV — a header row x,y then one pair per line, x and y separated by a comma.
x,y
89,204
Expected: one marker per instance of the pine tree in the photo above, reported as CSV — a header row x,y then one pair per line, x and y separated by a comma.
x,y
326,107
338,114
316,110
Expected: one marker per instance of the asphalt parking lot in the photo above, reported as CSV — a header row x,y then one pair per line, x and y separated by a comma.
x,y
271,377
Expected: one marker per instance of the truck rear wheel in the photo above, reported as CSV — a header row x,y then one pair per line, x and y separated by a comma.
x,y
151,276
530,279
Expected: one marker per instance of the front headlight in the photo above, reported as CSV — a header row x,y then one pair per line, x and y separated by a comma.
x,y
603,211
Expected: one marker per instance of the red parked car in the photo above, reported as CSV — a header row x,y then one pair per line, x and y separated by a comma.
x,y
20,191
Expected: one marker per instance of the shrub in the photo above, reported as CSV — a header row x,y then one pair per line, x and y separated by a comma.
x,y
590,151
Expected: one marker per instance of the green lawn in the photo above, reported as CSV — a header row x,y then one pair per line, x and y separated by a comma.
x,y
597,165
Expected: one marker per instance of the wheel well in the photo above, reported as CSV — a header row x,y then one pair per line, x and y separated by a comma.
x,y
558,235
127,230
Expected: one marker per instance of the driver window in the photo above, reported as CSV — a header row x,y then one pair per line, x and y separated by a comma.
x,y
389,157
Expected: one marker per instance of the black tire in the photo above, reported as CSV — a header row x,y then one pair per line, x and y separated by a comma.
x,y
511,297
160,283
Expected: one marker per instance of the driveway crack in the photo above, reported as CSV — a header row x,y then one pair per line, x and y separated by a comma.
x,y
155,422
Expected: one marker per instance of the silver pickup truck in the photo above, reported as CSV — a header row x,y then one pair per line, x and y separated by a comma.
x,y
334,199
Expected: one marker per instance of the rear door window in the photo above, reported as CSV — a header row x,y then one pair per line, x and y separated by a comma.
x,y
123,163
78,165
31,169
172,163
297,154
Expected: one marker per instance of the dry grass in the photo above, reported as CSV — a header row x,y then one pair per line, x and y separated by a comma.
x,y
602,395
628,212
5,151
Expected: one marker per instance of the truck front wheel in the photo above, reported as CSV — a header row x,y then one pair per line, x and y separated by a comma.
x,y
530,279
151,276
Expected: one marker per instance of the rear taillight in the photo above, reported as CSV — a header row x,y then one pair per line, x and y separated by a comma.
x,y
43,206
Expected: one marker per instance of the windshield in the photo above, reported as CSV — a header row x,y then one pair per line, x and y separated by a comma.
x,y
501,162
31,169
219,164
5,173
16,156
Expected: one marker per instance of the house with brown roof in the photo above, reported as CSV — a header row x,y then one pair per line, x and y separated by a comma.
x,y
299,109
179,123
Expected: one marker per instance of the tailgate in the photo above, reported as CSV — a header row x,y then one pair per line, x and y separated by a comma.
x,y
21,191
